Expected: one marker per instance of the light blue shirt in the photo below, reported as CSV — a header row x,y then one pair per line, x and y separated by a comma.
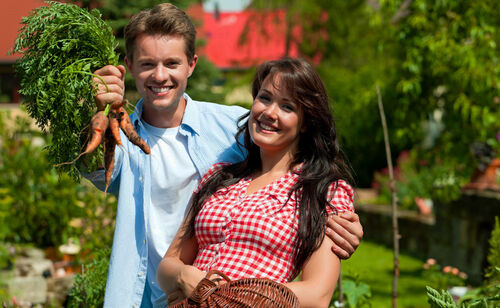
x,y
210,131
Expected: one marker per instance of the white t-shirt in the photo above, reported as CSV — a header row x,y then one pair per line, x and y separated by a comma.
x,y
174,178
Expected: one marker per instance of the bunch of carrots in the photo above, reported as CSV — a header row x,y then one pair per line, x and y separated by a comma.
x,y
105,128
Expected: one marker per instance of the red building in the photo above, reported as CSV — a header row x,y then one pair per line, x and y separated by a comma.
x,y
11,13
236,40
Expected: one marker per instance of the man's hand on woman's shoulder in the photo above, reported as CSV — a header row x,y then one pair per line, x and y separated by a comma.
x,y
346,232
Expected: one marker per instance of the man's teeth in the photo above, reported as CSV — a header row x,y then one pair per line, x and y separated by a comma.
x,y
160,90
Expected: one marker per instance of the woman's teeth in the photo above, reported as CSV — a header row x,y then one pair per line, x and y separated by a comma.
x,y
266,127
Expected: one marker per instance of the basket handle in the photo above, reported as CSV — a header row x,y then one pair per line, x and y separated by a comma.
x,y
217,272
206,287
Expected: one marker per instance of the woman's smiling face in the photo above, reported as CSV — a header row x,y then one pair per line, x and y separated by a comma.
x,y
275,119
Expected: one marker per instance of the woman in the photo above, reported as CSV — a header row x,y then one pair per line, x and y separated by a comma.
x,y
265,217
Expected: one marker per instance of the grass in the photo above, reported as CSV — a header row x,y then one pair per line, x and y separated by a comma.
x,y
374,264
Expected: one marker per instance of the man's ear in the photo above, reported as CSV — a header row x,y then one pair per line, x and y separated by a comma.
x,y
192,65
128,63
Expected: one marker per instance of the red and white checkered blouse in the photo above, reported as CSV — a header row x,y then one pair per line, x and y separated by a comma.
x,y
253,235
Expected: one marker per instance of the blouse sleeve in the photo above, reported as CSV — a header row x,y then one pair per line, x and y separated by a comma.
x,y
341,197
211,171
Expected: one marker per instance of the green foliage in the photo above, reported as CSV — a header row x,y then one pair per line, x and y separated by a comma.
x,y
441,299
493,271
61,45
355,292
448,76
88,289
486,296
36,204
442,278
418,176
373,265
201,82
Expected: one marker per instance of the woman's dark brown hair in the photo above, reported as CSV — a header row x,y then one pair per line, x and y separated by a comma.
x,y
318,151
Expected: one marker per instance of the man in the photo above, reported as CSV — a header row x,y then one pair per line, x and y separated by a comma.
x,y
186,137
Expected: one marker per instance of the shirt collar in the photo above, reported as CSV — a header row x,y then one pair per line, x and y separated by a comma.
x,y
191,117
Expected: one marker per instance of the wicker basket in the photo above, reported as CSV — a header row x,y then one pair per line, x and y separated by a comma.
x,y
247,292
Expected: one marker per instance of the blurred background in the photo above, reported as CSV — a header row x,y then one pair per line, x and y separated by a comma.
x,y
436,63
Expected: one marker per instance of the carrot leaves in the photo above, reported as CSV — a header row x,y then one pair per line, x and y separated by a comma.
x,y
60,46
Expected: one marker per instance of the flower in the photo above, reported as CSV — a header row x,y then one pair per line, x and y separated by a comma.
x,y
455,271
431,261
447,269
462,275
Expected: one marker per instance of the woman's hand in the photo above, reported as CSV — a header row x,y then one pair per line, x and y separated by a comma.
x,y
110,85
175,296
188,279
346,232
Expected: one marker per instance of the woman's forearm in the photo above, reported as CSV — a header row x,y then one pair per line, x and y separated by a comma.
x,y
167,274
309,295
175,271
319,277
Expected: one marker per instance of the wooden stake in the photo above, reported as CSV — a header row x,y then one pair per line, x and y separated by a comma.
x,y
392,187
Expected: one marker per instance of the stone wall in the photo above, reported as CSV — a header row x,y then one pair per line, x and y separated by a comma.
x,y
34,281
456,235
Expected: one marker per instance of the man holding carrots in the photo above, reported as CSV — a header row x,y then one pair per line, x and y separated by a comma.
x,y
185,136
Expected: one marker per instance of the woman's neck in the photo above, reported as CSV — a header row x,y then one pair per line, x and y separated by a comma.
x,y
272,167
275,164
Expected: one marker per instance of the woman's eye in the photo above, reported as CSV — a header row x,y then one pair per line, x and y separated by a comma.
x,y
288,107
264,98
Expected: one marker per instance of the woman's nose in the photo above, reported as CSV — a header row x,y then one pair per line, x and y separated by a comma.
x,y
271,111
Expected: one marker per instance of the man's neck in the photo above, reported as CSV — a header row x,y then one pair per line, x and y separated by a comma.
x,y
165,118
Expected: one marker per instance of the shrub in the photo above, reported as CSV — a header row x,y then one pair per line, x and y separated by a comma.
x,y
487,295
38,205
88,290
442,278
355,293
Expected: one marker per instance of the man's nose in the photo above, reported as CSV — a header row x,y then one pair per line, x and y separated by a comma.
x,y
160,73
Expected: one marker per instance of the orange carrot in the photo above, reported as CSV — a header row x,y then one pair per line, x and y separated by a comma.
x,y
128,129
99,124
114,125
109,157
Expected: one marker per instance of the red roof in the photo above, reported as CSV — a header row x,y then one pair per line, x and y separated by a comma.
x,y
11,13
244,39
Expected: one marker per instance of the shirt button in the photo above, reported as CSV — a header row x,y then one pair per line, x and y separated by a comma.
x,y
134,305
140,179
140,274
